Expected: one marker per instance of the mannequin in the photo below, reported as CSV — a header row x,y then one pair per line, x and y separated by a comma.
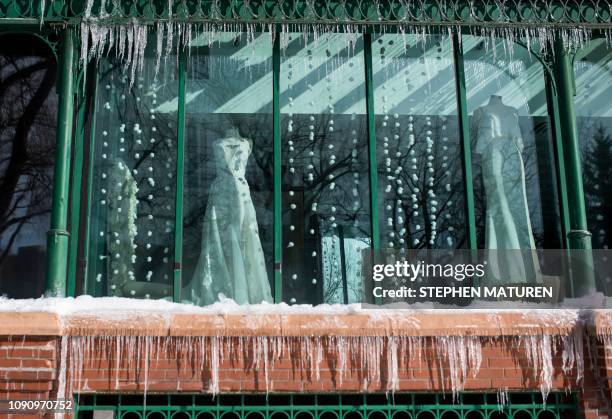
x,y
122,214
231,260
508,227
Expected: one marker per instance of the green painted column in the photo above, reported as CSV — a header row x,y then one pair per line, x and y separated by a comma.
x,y
464,133
578,236
278,187
58,235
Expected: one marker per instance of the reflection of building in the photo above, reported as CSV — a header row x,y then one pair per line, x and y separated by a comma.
x,y
361,119
22,274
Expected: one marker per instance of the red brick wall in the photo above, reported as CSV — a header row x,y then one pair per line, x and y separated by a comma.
x,y
29,370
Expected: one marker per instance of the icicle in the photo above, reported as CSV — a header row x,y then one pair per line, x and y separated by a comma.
x,y
61,382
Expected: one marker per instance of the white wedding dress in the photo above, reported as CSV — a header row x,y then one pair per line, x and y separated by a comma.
x,y
508,235
231,260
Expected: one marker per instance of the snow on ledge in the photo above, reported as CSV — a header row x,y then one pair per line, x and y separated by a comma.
x,y
114,316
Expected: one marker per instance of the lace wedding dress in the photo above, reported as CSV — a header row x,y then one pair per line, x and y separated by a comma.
x,y
231,260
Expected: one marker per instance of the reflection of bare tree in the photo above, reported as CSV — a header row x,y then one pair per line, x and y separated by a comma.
x,y
131,130
414,198
532,185
27,127
597,167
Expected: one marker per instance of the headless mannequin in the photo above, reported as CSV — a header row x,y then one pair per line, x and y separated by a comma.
x,y
508,226
231,259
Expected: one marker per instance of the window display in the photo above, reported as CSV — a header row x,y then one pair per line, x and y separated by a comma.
x,y
326,216
513,159
133,184
231,261
227,220
421,186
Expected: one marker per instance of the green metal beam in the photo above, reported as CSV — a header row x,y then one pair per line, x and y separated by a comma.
x,y
543,13
579,237
464,132
91,218
77,182
373,163
278,211
58,235
180,173
371,115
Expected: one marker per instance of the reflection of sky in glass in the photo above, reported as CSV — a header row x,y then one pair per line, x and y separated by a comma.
x,y
415,79
516,76
331,59
593,72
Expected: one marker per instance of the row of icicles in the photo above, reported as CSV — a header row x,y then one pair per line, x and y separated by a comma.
x,y
376,361
129,41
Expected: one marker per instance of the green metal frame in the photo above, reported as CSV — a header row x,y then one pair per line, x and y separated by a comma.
x,y
180,174
89,197
63,266
464,134
278,210
578,236
58,236
331,406
371,115
77,182
552,13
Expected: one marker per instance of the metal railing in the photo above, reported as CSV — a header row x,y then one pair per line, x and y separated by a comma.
x,y
536,13
331,406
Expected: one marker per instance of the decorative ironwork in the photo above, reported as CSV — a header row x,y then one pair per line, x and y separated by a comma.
x,y
563,13
331,406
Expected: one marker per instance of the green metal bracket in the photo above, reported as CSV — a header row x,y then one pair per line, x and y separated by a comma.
x,y
58,236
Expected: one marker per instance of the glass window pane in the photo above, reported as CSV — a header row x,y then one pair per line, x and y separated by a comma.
x,y
515,189
228,244
28,114
421,188
133,187
593,70
325,182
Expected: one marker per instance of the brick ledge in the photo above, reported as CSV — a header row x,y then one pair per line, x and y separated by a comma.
x,y
370,323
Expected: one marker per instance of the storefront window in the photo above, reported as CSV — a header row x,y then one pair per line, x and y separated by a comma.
x,y
421,187
593,72
326,216
514,184
228,200
28,115
227,183
133,186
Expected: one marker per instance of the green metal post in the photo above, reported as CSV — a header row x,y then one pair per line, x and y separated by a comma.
x,y
578,236
278,214
371,115
553,109
77,177
58,235
91,217
180,172
464,132
373,163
